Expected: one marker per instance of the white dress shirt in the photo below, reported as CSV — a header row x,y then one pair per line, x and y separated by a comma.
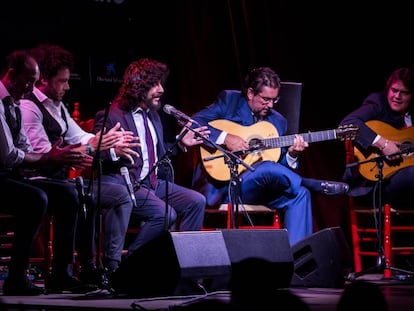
x,y
33,123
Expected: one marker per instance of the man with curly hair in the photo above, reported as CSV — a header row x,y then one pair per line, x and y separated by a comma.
x,y
135,106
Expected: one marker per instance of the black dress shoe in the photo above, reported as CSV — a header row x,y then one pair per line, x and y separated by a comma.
x,y
325,187
21,288
334,188
106,279
96,277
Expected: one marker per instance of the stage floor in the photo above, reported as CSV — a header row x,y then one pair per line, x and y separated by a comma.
x,y
399,296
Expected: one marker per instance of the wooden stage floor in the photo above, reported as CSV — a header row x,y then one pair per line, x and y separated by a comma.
x,y
398,294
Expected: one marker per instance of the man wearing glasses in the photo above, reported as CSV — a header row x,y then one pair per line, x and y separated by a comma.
x,y
385,121
269,181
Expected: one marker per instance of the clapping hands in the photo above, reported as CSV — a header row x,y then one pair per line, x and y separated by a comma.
x,y
68,156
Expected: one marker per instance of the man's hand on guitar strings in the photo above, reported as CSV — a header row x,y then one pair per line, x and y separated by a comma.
x,y
299,144
235,143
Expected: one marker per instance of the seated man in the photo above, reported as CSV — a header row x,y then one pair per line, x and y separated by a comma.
x,y
273,183
136,107
32,198
46,118
385,120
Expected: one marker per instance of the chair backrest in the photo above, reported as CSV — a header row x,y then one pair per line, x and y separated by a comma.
x,y
289,104
349,152
87,125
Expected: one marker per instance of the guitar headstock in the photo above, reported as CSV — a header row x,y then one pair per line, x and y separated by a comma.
x,y
347,132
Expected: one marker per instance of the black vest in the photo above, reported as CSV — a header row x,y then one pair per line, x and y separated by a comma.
x,y
53,131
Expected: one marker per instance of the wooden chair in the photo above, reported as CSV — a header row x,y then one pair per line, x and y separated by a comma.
x,y
248,216
86,125
397,228
252,217
43,248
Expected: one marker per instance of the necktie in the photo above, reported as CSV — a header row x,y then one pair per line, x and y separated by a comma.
x,y
150,148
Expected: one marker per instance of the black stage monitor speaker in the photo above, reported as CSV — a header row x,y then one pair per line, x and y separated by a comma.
x,y
322,260
259,256
174,264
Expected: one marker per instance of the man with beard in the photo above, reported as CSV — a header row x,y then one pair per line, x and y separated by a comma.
x,y
135,108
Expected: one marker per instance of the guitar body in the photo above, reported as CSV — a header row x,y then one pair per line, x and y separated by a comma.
x,y
406,138
218,168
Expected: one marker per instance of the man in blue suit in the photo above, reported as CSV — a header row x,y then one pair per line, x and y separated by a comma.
x,y
273,181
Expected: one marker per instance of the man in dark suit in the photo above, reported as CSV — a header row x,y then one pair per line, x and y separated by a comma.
x,y
385,121
138,97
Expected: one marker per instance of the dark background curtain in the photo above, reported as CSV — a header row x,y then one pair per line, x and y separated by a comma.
x,y
339,50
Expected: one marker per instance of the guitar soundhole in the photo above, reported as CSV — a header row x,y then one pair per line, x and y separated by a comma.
x,y
407,147
256,144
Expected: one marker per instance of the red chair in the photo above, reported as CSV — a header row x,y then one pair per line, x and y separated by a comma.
x,y
397,228
248,217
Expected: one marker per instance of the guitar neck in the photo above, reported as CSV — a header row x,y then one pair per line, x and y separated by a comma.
x,y
287,140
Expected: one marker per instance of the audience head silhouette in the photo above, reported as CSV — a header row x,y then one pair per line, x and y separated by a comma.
x,y
357,292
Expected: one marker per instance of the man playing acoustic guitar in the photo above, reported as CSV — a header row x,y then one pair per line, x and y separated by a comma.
x,y
386,132
273,181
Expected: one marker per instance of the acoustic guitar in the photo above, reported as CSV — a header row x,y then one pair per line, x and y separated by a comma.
x,y
264,144
404,136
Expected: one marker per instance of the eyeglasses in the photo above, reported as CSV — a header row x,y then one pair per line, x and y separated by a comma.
x,y
402,92
269,99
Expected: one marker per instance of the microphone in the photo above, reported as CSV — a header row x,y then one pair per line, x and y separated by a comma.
x,y
81,193
180,116
127,180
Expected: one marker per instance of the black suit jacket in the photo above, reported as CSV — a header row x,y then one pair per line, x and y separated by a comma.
x,y
374,107
125,118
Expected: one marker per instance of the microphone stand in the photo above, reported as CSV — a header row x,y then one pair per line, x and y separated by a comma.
x,y
232,160
165,160
383,263
97,164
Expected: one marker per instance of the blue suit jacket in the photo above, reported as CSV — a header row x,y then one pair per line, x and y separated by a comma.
x,y
229,105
